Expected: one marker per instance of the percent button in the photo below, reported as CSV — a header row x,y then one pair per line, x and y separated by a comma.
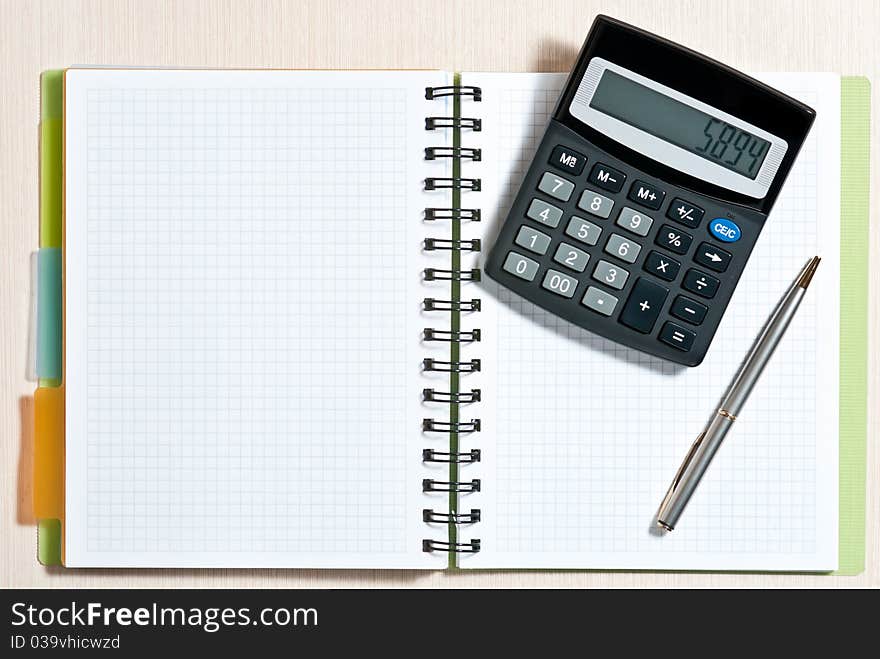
x,y
675,240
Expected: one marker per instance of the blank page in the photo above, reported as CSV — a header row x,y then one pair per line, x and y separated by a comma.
x,y
583,436
242,325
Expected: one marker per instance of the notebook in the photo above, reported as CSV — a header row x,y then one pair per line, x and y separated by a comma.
x,y
278,351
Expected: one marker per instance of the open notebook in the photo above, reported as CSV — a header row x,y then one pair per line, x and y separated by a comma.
x,y
245,351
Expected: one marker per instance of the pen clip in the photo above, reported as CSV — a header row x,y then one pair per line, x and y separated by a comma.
x,y
686,462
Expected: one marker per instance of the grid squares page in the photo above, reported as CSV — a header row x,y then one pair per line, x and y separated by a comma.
x,y
242,271
582,436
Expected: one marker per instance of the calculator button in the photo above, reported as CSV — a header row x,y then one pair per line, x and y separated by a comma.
x,y
677,336
611,275
582,230
662,266
595,204
568,160
542,212
700,283
599,301
623,248
685,212
643,306
712,257
561,284
555,186
675,240
533,240
521,266
646,194
571,257
634,221
688,309
606,177
724,230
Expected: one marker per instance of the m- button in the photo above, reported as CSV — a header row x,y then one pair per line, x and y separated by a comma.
x,y
607,178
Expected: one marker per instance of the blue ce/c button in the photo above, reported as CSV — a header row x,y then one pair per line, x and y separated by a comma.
x,y
724,230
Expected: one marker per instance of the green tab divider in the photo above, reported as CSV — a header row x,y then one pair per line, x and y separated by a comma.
x,y
49,542
854,214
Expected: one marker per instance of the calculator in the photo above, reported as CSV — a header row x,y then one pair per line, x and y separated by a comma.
x,y
647,193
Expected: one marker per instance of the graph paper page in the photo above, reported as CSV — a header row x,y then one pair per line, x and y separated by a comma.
x,y
243,332
582,436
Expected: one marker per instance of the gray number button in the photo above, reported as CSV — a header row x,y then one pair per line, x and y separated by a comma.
x,y
634,221
586,232
521,266
599,301
595,204
556,187
559,283
610,274
572,257
542,212
532,240
623,248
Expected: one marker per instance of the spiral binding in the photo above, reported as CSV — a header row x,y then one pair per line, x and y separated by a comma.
x,y
432,517
434,396
433,123
470,547
472,214
452,427
462,457
432,304
431,334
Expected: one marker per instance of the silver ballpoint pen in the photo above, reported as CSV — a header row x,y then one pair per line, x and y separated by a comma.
x,y
703,449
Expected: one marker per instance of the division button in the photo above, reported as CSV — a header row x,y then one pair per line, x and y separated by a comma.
x,y
712,257
677,336
568,160
607,178
643,306
700,283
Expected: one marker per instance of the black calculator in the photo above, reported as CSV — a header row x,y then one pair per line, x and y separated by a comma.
x,y
648,192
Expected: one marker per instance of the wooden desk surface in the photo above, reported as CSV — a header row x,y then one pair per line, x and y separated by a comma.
x,y
498,35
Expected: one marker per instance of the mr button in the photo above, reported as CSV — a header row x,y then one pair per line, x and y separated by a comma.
x,y
568,160
643,306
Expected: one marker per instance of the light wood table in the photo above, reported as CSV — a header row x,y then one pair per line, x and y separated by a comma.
x,y
541,35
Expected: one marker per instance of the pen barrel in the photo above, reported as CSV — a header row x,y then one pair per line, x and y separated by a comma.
x,y
762,350
687,480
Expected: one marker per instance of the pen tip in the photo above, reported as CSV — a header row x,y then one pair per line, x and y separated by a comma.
x,y
663,527
808,272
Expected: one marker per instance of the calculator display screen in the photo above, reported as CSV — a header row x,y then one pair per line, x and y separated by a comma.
x,y
676,122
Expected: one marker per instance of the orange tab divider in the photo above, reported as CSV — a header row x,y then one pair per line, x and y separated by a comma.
x,y
49,453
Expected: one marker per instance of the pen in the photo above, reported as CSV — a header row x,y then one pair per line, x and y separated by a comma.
x,y
704,447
